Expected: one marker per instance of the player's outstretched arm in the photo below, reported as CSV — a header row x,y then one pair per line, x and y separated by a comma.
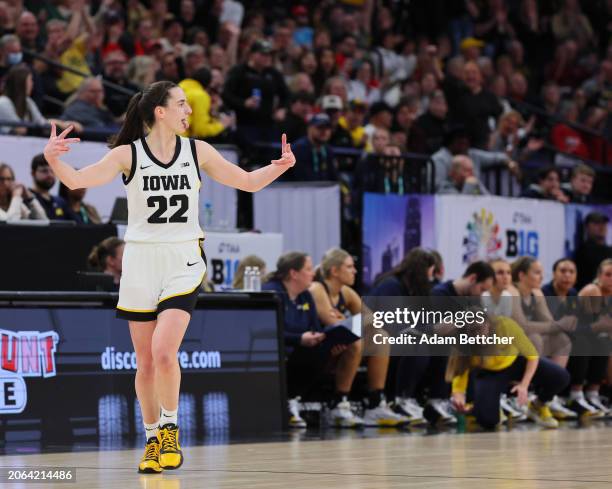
x,y
222,171
100,173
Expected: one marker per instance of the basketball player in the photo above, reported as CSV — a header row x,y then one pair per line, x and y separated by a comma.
x,y
163,262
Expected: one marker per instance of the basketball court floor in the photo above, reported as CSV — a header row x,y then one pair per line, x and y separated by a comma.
x,y
524,457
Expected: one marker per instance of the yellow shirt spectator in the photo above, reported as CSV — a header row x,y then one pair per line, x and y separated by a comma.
x,y
357,134
201,123
74,57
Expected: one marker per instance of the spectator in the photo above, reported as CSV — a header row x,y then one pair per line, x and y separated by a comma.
x,y
10,54
301,82
251,90
115,71
88,108
461,179
16,201
300,109
304,339
202,124
71,48
406,113
247,261
570,23
336,85
493,26
17,106
353,120
141,71
169,69
381,116
428,130
28,32
333,107
144,37
363,85
326,69
80,212
579,188
567,139
476,106
594,250
43,179
599,87
314,153
107,257
513,136
457,142
195,58
551,98
548,186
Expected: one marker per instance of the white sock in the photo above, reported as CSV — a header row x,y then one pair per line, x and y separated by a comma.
x,y
576,395
168,417
592,393
151,430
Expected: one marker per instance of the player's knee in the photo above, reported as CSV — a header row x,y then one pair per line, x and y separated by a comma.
x,y
356,348
162,358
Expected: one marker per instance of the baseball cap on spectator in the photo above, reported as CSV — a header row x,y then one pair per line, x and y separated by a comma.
x,y
596,217
378,107
471,42
454,132
320,120
261,46
331,102
358,104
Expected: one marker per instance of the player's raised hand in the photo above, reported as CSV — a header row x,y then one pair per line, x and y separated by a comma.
x,y
58,145
287,158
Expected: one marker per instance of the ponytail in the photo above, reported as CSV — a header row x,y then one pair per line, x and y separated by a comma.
x,y
140,114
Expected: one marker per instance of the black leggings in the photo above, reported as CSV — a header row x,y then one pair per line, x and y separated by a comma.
x,y
487,385
589,358
424,371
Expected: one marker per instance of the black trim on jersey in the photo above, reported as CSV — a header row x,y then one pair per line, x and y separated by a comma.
x,y
132,168
186,302
177,151
136,316
194,153
201,245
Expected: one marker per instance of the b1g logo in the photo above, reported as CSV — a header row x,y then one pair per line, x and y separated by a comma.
x,y
23,354
222,272
520,242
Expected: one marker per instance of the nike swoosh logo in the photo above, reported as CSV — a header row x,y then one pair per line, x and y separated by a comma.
x,y
192,264
145,167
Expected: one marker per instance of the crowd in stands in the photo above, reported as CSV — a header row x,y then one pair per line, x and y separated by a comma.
x,y
470,78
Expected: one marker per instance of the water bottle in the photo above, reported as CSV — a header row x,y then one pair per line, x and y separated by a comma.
x,y
208,214
256,92
256,280
248,279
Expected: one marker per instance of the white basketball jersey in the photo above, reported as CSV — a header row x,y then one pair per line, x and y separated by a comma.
x,y
163,198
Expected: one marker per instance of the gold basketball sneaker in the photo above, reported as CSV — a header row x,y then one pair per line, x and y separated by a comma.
x,y
150,460
170,453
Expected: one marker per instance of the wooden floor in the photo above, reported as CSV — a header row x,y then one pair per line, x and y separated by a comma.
x,y
568,458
